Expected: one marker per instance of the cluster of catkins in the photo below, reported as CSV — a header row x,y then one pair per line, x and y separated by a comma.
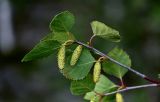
x,y
74,58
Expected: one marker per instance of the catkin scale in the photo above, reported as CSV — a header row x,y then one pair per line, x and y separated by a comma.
x,y
119,97
96,71
76,54
61,57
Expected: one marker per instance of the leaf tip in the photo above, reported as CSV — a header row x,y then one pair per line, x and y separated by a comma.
x,y
64,16
24,59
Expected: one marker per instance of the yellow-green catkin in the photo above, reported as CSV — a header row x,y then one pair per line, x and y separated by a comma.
x,y
61,57
93,99
97,71
76,54
119,97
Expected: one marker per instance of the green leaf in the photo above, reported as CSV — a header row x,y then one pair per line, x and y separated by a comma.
x,y
82,67
49,36
81,87
110,98
104,85
104,31
62,22
114,69
158,75
61,37
41,50
92,96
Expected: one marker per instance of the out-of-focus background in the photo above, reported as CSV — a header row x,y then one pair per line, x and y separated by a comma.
x,y
24,22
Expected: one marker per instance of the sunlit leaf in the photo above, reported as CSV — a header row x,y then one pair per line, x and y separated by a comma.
x,y
104,31
104,85
114,69
92,96
96,97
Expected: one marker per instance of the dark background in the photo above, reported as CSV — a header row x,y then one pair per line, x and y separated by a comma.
x,y
24,22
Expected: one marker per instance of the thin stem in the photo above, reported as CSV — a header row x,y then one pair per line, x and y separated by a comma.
x,y
132,88
122,82
118,63
90,41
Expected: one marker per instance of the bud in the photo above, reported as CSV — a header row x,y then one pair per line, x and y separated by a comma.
x,y
119,97
61,57
76,54
96,71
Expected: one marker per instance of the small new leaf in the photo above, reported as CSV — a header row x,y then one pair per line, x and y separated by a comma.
x,y
41,50
113,69
83,86
62,22
104,31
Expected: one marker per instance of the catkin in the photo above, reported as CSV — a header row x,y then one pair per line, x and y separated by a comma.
x,y
61,57
119,97
93,99
96,71
76,54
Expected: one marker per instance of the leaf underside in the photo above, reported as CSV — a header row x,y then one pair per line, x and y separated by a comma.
x,y
104,85
104,31
114,69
